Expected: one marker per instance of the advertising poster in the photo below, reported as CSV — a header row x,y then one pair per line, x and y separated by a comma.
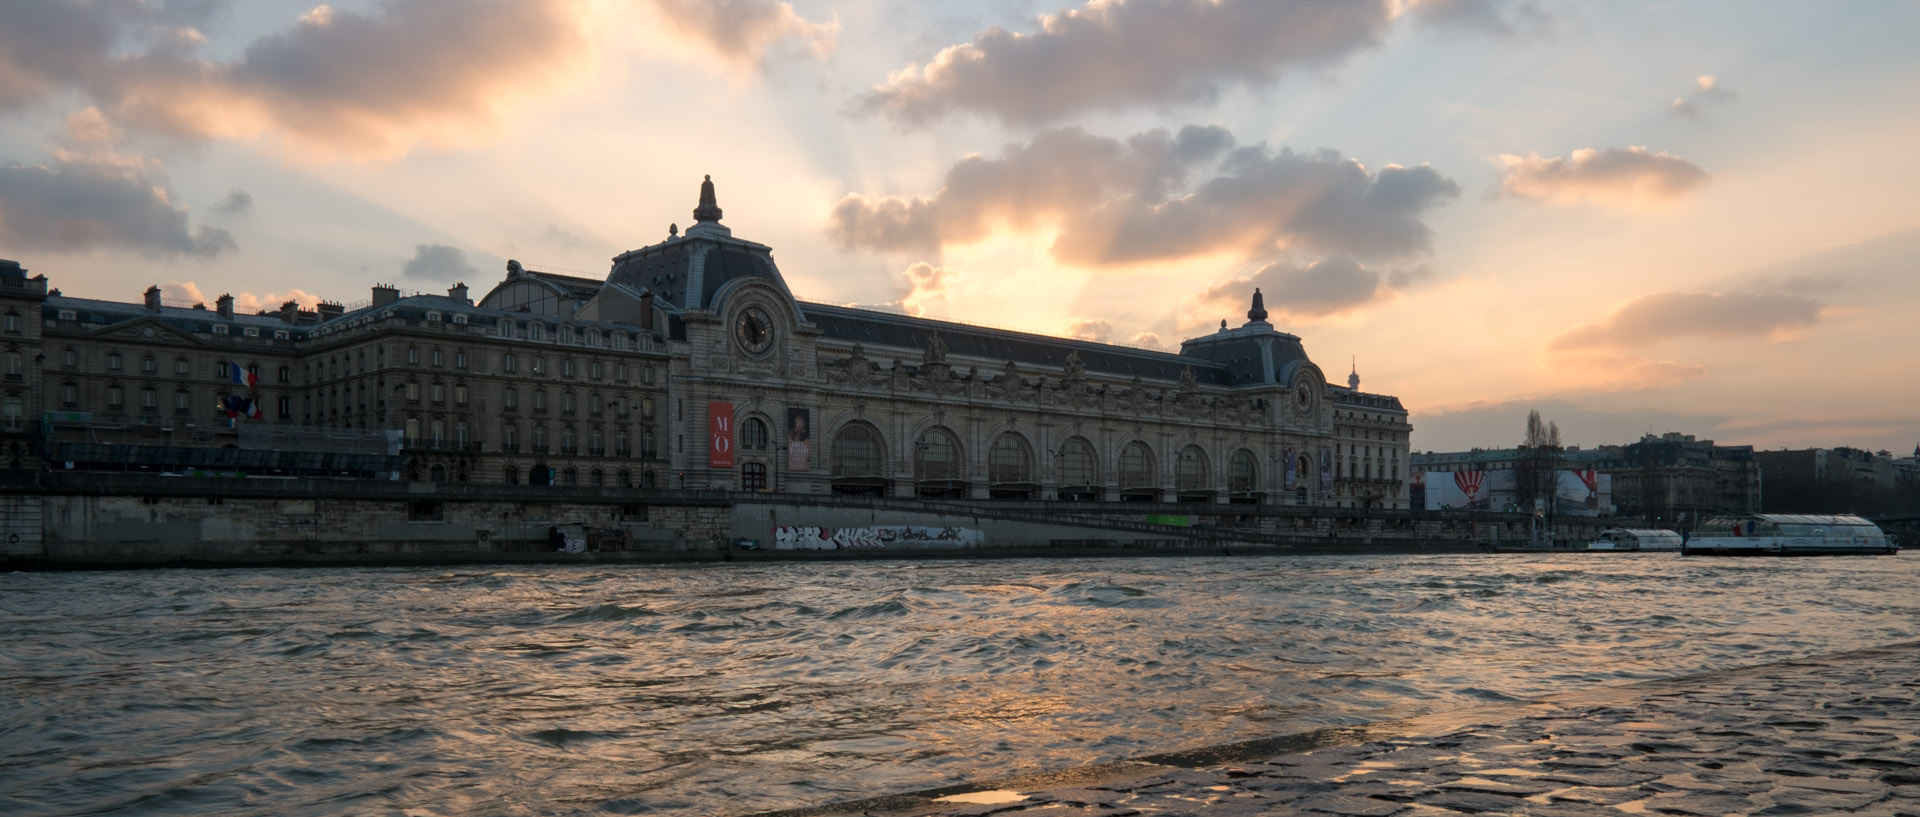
x,y
799,438
1287,454
720,435
1326,472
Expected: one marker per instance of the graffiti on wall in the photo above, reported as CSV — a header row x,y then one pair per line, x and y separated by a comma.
x,y
788,537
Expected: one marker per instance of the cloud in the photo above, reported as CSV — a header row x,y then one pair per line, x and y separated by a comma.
x,y
746,32
1097,331
1668,315
237,203
1113,54
335,81
1706,93
438,262
1620,176
1501,18
1292,291
1597,370
1147,340
1120,202
81,206
243,302
925,281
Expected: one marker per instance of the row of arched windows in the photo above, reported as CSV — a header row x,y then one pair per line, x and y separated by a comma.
x,y
857,453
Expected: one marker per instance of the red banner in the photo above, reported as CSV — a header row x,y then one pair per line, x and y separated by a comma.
x,y
720,435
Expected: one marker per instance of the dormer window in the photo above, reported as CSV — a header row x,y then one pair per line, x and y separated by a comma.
x,y
433,317
219,328
460,319
281,334
251,331
536,331
69,315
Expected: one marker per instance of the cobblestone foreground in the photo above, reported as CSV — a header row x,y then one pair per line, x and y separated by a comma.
x,y
1835,734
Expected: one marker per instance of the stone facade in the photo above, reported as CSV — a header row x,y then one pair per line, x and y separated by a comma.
x,y
691,365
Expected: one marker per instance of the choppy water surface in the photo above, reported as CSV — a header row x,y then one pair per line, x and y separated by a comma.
x,y
734,688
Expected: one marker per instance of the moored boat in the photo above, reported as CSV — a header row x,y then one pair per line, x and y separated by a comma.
x,y
1788,534
1636,539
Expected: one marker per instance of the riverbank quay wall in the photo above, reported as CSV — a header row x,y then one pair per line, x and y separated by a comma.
x,y
79,520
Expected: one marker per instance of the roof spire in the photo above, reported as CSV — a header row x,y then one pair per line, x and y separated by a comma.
x,y
1353,377
1259,310
709,209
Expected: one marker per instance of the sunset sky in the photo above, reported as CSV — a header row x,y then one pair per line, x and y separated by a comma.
x,y
1668,216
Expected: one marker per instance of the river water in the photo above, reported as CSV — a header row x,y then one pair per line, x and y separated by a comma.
x,y
732,688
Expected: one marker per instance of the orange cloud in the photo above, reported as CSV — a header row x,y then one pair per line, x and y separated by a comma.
x,y
336,81
746,32
1667,315
243,302
1631,177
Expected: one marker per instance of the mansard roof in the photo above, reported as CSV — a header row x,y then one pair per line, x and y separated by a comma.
x,y
886,329
107,313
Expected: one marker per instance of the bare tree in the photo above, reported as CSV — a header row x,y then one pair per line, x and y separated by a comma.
x,y
1537,470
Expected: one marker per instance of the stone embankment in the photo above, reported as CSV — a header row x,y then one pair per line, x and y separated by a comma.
x,y
1832,735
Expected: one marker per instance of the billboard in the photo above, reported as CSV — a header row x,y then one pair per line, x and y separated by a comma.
x,y
1582,492
799,438
720,435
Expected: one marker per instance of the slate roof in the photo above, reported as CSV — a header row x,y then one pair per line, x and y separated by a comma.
x,y
903,332
107,313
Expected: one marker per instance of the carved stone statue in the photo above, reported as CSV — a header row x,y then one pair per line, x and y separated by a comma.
x,y
1074,365
936,351
1187,381
514,268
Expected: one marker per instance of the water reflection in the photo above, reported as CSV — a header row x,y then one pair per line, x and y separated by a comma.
x,y
731,688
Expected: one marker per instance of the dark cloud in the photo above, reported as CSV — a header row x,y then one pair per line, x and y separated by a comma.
x,y
1655,318
80,206
1109,55
1624,176
1290,290
745,32
340,80
1503,18
237,203
1118,202
439,262
1706,94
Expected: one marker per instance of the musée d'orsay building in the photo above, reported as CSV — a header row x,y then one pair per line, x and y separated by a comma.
x,y
692,365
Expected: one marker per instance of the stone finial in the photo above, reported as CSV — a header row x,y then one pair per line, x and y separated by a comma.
x,y
673,230
709,209
1259,310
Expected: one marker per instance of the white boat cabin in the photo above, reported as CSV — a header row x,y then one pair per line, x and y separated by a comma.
x,y
1636,539
1789,534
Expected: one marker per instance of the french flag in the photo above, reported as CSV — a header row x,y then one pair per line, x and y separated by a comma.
x,y
242,377
237,406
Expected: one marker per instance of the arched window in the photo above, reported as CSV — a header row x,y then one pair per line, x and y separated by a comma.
x,y
570,476
438,473
753,434
1242,478
646,479
1077,464
1009,460
1136,466
510,475
936,457
857,452
1190,470
625,477
596,478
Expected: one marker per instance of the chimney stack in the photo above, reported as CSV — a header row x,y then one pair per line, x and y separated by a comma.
x,y
153,299
458,292
224,305
330,310
646,310
290,312
384,294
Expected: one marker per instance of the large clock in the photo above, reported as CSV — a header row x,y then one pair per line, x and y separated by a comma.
x,y
1303,395
754,330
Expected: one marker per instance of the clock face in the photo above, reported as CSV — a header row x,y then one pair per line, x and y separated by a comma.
x,y
754,330
1303,396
